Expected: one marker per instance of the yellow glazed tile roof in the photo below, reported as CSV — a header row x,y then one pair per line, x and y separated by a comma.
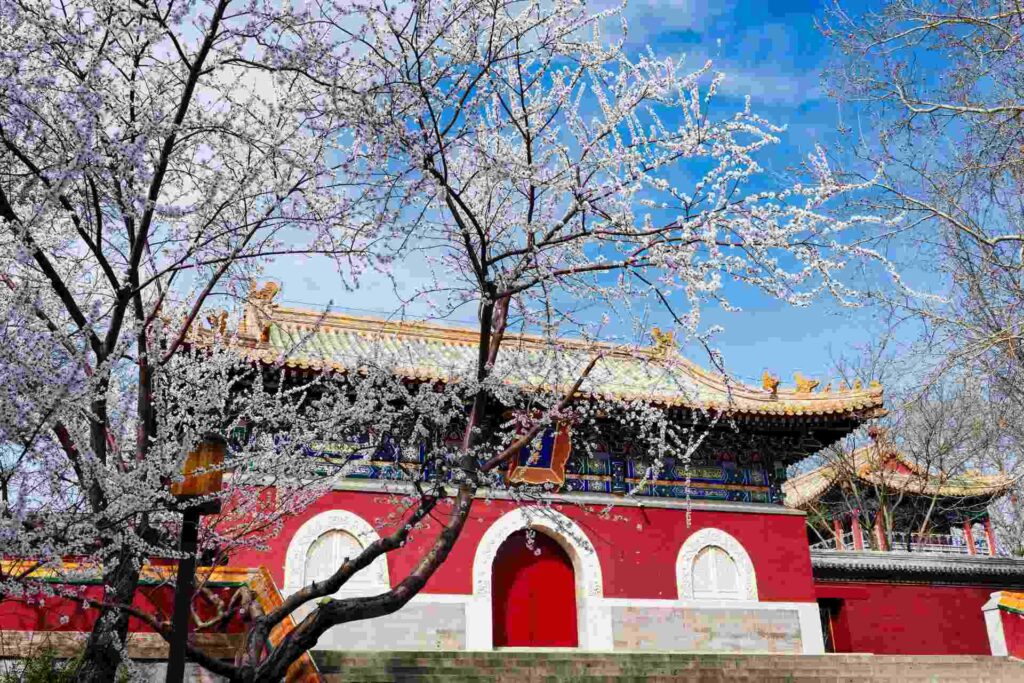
x,y
1012,602
257,578
305,339
863,464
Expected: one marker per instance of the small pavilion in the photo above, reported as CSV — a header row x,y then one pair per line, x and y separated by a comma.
x,y
876,498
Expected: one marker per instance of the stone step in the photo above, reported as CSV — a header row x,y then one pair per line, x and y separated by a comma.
x,y
795,659
488,657
787,664
709,677
781,663
523,666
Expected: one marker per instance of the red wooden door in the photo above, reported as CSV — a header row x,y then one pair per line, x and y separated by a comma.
x,y
534,595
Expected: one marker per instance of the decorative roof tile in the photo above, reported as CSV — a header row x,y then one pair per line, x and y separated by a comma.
x,y
869,464
895,566
305,339
1011,602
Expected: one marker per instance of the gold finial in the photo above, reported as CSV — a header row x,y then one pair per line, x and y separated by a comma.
x,y
875,384
770,383
264,294
857,384
218,321
805,385
663,341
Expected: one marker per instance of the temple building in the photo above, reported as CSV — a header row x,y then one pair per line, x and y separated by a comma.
x,y
720,565
876,554
904,558
720,553
875,498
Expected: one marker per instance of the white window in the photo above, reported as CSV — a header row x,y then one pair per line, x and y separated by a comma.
x,y
713,565
326,555
715,575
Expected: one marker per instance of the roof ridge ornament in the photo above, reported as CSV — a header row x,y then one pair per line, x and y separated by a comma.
x,y
218,321
770,383
264,294
664,342
804,385
258,307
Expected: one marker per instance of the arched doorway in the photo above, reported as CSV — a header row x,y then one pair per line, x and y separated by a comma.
x,y
533,593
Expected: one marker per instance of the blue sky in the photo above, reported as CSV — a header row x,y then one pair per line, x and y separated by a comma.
x,y
773,52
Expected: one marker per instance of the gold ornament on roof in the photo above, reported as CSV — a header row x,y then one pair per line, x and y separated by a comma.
x,y
664,342
805,385
264,294
857,384
218,321
827,389
770,383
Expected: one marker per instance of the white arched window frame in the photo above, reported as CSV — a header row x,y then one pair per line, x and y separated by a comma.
x,y
323,542
328,552
712,565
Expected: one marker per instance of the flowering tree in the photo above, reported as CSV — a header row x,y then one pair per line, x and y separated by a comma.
x,y
949,425
939,89
941,83
155,155
144,172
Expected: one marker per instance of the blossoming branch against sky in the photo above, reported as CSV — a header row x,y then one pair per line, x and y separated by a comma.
x,y
771,52
547,166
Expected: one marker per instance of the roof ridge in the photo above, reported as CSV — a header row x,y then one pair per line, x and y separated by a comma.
x,y
918,480
310,318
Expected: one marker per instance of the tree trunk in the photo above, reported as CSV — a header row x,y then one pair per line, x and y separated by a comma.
x,y
106,644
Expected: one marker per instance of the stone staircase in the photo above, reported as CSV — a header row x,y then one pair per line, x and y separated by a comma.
x,y
566,666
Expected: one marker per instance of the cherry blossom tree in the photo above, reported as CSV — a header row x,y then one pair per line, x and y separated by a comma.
x,y
155,155
939,89
145,173
932,93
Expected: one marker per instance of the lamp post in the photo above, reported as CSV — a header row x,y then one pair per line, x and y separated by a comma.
x,y
203,477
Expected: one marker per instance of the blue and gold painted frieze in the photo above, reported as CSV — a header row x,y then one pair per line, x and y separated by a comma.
x,y
598,472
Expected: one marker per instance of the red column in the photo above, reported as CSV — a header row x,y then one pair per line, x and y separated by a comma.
x,y
837,529
990,536
880,531
971,550
858,536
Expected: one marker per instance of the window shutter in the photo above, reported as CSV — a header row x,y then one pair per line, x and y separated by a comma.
x,y
715,574
326,555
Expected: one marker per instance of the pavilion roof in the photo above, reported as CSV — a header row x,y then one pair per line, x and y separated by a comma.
x,y
258,579
1011,601
307,339
880,464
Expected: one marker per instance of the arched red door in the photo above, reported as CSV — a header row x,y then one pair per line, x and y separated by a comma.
x,y
534,594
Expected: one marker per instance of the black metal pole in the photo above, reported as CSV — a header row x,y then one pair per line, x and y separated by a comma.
x,y
183,590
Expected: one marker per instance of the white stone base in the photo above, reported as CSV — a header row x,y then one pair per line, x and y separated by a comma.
x,y
434,621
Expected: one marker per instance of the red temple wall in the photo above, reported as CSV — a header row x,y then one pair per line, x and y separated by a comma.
x,y
910,619
637,547
1013,633
52,613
